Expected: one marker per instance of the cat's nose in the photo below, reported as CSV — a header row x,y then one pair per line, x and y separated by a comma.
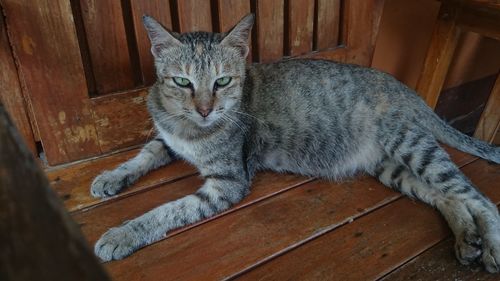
x,y
204,111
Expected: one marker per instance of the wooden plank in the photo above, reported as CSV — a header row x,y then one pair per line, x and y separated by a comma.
x,y
489,123
160,10
94,225
361,19
38,239
328,24
194,15
270,29
477,19
45,43
437,262
317,205
11,95
437,61
300,29
108,48
381,241
72,183
116,126
230,12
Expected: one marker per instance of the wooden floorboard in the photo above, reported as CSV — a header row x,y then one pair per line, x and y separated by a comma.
x,y
375,244
283,212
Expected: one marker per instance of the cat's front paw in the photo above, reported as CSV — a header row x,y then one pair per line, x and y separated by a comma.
x,y
117,243
107,184
491,255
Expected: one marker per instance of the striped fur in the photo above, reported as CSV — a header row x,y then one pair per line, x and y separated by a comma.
x,y
315,118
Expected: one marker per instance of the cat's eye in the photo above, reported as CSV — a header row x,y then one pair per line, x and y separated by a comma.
x,y
223,81
181,81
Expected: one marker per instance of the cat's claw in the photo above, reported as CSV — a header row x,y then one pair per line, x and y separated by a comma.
x,y
106,184
116,244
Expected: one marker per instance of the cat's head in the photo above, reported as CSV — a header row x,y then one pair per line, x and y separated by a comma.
x,y
200,74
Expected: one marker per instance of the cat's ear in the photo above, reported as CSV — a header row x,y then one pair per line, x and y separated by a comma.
x,y
160,37
240,34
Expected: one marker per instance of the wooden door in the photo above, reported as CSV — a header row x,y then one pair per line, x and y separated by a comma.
x,y
85,65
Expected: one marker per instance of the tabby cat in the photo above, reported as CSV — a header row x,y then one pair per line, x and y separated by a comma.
x,y
310,117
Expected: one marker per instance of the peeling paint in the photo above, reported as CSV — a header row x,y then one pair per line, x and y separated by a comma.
x,y
79,134
27,44
62,117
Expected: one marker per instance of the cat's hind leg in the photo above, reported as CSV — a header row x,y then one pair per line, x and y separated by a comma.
x,y
153,155
417,166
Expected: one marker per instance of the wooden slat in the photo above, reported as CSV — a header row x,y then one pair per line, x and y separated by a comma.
x,y
437,262
194,15
45,44
437,61
328,24
270,29
230,12
361,19
122,120
477,19
160,10
72,183
11,95
300,29
38,239
316,205
381,241
489,123
108,48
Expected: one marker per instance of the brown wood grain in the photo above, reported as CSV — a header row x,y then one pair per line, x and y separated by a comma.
x,y
360,27
122,120
108,48
160,10
11,95
72,182
39,241
300,30
194,15
328,24
45,44
480,18
489,123
230,12
270,29
438,58
381,241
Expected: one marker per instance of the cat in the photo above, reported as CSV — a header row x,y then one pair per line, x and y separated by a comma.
x,y
311,117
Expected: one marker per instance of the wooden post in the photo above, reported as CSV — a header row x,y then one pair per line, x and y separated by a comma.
x,y
38,239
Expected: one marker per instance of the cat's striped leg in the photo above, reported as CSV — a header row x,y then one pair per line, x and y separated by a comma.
x,y
397,176
153,155
468,212
221,190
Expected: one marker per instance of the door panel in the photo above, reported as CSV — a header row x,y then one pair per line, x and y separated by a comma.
x,y
87,67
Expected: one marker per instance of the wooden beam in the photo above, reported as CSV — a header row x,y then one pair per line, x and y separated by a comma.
x,y
489,123
39,240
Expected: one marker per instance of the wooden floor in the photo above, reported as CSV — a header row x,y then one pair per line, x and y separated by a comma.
x,y
289,228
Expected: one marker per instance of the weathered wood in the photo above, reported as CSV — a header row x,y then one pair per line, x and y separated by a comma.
x,y
381,241
160,10
11,95
45,43
230,12
122,120
194,15
328,24
360,27
300,30
72,182
108,48
437,61
39,241
489,123
270,29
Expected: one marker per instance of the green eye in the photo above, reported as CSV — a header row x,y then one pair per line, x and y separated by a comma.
x,y
221,82
183,82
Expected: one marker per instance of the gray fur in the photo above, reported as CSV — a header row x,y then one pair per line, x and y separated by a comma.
x,y
310,117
